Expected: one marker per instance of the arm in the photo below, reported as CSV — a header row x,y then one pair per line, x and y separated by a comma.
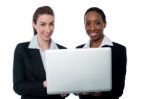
x,y
119,61
119,83
21,83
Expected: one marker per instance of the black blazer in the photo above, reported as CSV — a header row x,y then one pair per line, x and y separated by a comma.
x,y
119,61
29,73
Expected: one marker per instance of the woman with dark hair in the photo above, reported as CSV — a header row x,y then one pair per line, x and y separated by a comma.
x,y
29,77
95,22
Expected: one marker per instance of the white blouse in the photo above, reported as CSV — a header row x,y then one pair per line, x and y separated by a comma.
x,y
105,41
34,44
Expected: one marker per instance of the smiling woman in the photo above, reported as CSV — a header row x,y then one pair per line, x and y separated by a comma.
x,y
95,22
29,79
43,25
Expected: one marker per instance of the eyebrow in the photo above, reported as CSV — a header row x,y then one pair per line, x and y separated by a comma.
x,y
42,22
94,20
45,22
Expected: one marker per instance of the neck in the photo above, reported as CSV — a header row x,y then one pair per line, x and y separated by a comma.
x,y
96,43
44,45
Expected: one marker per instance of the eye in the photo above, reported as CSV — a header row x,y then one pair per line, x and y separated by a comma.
x,y
87,23
98,23
42,24
51,24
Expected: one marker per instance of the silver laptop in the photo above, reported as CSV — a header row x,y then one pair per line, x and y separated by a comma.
x,y
78,70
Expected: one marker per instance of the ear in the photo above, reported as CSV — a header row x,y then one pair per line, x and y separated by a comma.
x,y
34,25
105,25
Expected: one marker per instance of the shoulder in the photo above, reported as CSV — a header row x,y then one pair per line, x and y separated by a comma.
x,y
22,46
60,46
119,50
80,46
119,46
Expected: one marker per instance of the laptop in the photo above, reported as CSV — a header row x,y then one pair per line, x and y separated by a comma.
x,y
78,70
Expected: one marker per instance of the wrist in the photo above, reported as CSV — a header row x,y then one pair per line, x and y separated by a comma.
x,y
45,84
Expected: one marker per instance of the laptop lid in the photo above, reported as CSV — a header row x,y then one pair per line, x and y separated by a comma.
x,y
78,70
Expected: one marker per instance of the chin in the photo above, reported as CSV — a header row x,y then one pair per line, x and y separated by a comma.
x,y
94,39
47,39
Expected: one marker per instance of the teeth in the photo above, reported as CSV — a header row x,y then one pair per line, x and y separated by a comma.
x,y
46,35
93,34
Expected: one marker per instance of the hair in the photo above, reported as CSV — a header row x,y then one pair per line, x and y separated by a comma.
x,y
40,11
98,10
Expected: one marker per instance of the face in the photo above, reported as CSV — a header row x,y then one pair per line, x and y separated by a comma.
x,y
94,25
44,26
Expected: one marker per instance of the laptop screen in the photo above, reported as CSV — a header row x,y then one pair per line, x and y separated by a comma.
x,y
78,70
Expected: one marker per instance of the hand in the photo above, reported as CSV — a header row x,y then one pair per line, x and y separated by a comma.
x,y
91,93
96,93
64,95
85,93
45,84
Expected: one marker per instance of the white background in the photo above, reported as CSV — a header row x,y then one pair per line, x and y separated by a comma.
x,y
128,23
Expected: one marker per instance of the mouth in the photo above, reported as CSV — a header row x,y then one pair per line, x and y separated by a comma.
x,y
47,34
93,34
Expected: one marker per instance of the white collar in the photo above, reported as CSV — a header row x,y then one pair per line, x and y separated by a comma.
x,y
105,41
35,45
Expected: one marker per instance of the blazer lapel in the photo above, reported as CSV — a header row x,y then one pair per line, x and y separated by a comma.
x,y
37,63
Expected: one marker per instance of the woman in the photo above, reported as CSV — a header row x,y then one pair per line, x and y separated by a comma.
x,y
95,22
29,78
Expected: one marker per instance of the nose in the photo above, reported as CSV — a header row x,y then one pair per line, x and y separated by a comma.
x,y
48,29
92,27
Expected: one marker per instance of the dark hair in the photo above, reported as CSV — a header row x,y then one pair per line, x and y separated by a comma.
x,y
39,11
98,10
